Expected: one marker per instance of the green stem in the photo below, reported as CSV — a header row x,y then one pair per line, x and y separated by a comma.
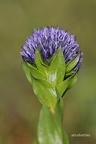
x,y
50,126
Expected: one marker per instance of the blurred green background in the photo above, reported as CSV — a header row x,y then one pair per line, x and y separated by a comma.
x,y
19,108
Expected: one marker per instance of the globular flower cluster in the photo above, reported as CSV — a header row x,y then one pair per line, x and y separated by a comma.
x,y
48,40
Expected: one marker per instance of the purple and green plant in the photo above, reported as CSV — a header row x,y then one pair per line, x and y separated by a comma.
x,y
51,61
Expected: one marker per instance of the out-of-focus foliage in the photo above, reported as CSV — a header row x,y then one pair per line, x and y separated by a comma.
x,y
19,108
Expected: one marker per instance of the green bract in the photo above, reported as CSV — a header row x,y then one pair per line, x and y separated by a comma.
x,y
51,80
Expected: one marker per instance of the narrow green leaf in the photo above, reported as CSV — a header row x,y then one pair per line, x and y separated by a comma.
x,y
35,72
27,72
45,92
65,84
72,63
73,81
39,63
59,104
57,68
49,128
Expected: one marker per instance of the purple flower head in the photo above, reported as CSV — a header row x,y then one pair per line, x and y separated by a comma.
x,y
48,40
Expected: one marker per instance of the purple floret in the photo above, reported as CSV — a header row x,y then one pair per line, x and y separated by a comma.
x,y
48,40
